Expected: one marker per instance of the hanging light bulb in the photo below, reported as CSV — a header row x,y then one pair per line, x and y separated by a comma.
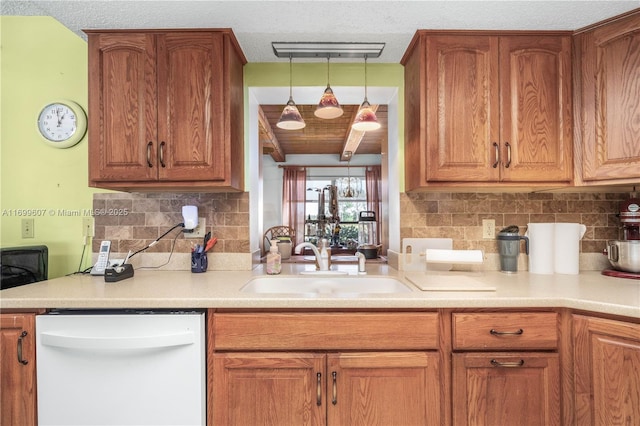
x,y
290,119
366,118
328,107
349,187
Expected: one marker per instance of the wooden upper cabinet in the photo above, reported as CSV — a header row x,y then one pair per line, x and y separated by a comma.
x,y
122,107
609,82
165,110
488,107
462,108
536,109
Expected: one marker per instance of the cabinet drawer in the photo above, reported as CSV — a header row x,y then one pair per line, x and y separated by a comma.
x,y
518,330
325,331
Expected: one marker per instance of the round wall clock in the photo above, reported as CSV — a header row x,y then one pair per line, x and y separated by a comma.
x,y
62,124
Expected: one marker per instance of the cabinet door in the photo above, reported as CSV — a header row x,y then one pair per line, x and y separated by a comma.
x,y
462,113
536,109
610,58
190,107
506,389
383,389
607,371
276,389
17,369
122,107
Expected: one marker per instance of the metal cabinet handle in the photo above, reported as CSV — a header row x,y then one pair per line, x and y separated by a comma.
x,y
496,151
162,144
508,145
503,333
20,359
497,363
149,147
334,389
319,390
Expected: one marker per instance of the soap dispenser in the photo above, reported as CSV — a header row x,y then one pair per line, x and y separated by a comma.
x,y
274,263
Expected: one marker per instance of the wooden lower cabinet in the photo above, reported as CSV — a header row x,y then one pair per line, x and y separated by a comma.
x,y
606,371
17,369
370,388
520,388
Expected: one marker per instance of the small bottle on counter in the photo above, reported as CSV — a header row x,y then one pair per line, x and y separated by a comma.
x,y
274,260
325,255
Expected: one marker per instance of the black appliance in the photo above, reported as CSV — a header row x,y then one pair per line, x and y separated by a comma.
x,y
23,265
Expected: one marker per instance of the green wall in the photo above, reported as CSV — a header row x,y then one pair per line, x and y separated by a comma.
x,y
42,61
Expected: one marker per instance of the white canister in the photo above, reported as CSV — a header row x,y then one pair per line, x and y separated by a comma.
x,y
567,247
541,247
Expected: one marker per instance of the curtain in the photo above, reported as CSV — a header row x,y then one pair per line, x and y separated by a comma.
x,y
294,191
374,194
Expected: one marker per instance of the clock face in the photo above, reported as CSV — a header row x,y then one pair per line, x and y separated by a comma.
x,y
62,124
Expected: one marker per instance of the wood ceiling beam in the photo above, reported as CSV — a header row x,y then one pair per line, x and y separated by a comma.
x,y
353,139
277,154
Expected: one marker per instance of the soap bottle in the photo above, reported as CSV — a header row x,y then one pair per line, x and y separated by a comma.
x,y
274,264
325,255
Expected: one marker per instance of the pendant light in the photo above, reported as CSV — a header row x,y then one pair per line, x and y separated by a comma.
x,y
328,107
366,118
290,119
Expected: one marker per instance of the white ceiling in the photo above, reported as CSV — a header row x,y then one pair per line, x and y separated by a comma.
x,y
258,23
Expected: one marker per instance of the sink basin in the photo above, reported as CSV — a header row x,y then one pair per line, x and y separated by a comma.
x,y
328,285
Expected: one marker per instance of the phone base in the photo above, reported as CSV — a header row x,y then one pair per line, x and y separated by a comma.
x,y
118,273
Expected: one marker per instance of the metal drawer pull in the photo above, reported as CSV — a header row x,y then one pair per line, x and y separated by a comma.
x,y
319,390
20,359
149,146
162,144
497,363
508,155
497,154
334,389
503,333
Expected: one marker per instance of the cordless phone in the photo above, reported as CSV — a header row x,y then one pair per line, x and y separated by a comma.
x,y
103,259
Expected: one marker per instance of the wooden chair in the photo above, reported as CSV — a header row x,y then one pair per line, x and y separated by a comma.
x,y
277,231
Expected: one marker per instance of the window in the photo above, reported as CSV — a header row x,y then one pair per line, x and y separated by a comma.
x,y
321,224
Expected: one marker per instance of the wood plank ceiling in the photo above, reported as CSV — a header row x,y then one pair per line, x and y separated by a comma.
x,y
320,136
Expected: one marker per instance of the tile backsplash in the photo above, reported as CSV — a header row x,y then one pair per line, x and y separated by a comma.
x,y
459,215
133,220
429,214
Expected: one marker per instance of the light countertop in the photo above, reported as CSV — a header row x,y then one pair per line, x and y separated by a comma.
x,y
588,291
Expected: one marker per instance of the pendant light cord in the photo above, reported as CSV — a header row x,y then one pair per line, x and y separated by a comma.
x,y
290,76
365,78
328,57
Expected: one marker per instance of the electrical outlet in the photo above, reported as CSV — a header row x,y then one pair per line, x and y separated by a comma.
x,y
488,228
199,230
27,226
88,227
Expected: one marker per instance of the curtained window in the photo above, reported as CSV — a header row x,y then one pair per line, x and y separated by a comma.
x,y
294,190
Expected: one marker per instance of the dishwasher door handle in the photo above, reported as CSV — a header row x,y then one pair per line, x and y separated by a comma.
x,y
118,343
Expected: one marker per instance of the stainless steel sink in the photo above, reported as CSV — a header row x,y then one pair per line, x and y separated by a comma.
x,y
314,286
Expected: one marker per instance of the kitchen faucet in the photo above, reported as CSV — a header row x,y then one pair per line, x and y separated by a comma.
x,y
324,266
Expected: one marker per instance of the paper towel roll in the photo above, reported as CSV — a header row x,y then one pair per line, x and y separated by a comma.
x,y
541,247
567,247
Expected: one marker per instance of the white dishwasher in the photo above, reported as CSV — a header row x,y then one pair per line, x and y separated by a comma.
x,y
121,368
